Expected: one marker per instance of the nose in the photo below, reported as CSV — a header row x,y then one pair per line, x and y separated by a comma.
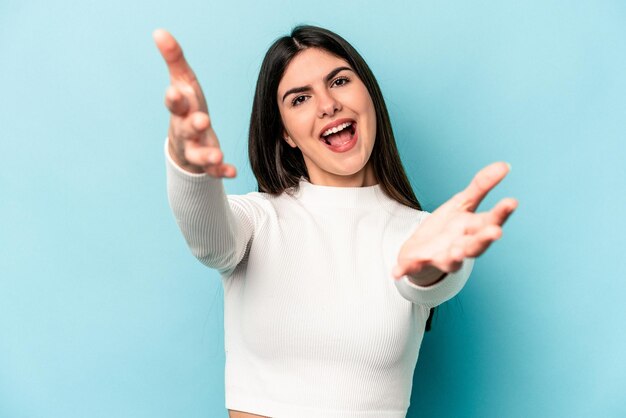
x,y
327,105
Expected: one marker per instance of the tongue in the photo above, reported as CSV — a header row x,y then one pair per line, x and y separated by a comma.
x,y
339,138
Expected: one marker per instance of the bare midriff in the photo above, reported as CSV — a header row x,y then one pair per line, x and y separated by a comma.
x,y
240,414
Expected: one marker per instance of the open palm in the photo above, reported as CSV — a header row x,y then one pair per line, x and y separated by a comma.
x,y
192,144
455,230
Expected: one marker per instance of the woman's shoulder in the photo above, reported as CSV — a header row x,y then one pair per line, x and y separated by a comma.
x,y
403,211
257,198
260,203
252,198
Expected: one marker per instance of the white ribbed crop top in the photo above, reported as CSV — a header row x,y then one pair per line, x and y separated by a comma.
x,y
315,324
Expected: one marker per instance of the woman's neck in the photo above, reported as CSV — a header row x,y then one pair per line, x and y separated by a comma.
x,y
363,178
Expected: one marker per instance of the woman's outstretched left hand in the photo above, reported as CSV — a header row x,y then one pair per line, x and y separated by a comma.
x,y
455,231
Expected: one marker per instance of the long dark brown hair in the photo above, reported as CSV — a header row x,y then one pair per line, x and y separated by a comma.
x,y
279,167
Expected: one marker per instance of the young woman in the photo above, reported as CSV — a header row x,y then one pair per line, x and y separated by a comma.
x,y
331,270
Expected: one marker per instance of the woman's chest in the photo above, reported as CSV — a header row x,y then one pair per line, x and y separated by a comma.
x,y
326,283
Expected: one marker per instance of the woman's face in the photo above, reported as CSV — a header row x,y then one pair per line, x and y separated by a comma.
x,y
329,115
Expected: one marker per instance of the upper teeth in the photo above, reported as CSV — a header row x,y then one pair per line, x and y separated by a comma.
x,y
336,129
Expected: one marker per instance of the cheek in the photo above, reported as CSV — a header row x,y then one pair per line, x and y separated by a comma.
x,y
373,122
367,108
363,103
371,116
370,107
298,129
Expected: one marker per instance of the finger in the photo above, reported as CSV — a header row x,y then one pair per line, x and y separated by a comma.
x,y
448,265
456,254
172,53
467,223
222,170
472,222
448,260
211,158
194,125
485,180
202,155
501,212
229,170
176,102
477,244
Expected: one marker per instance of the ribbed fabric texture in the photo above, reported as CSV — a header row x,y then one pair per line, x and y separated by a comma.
x,y
315,325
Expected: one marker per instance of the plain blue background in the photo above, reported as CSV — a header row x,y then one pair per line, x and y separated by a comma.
x,y
104,312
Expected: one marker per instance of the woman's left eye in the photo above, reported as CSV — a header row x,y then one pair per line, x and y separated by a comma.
x,y
340,81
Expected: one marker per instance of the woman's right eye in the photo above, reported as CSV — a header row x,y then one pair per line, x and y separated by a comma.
x,y
298,100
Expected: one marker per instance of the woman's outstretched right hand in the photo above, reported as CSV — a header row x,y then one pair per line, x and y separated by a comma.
x,y
193,144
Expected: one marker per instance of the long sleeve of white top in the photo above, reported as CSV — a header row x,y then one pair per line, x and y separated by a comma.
x,y
216,235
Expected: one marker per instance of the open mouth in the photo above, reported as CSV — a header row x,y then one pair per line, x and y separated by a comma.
x,y
339,135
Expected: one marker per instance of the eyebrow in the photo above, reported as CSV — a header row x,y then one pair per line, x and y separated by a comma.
x,y
328,77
